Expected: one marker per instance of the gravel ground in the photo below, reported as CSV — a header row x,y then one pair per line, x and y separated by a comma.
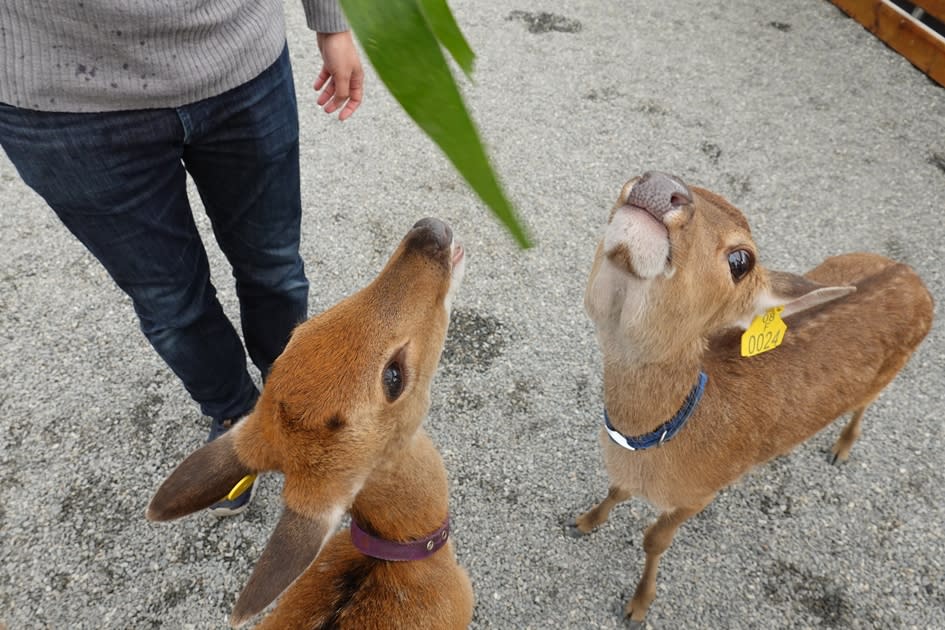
x,y
827,140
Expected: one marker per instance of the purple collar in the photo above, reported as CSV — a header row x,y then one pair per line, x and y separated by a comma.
x,y
389,550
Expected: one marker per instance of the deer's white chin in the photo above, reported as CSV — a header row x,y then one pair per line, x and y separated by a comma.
x,y
638,241
458,271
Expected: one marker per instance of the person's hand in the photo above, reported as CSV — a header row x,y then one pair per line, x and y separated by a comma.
x,y
341,80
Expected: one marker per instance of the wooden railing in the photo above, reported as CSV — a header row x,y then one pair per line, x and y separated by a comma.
x,y
906,27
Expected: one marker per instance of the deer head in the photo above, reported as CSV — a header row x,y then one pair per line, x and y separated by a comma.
x,y
349,390
677,264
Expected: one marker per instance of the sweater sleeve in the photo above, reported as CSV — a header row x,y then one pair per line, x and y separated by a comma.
x,y
324,16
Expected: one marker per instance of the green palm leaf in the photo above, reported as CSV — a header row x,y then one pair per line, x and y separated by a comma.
x,y
403,38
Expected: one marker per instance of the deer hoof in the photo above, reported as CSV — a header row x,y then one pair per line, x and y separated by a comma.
x,y
572,529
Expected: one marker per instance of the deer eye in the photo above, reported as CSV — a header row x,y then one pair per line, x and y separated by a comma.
x,y
740,262
393,378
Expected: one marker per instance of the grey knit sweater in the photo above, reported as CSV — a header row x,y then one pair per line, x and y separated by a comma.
x,y
107,55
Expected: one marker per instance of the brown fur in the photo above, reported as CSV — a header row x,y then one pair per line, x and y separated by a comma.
x,y
842,347
325,422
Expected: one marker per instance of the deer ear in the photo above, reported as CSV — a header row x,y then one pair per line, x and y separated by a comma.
x,y
293,546
795,293
201,480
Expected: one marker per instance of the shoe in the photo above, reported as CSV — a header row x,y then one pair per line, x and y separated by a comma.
x,y
219,427
239,498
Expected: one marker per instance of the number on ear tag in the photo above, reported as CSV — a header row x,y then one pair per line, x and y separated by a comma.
x,y
765,333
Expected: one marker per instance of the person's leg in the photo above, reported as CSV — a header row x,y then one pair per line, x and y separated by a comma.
x,y
116,181
243,155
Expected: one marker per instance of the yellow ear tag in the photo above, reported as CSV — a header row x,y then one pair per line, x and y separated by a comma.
x,y
241,486
765,333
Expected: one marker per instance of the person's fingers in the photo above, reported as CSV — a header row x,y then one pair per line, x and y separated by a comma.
x,y
326,94
354,100
341,83
322,79
340,90
350,107
341,80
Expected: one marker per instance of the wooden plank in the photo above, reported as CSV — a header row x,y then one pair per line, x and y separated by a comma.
x,y
913,40
935,8
863,11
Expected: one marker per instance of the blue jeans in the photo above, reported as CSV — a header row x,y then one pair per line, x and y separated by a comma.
x,y
117,180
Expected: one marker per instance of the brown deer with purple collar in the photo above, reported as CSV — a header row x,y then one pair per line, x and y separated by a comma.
x,y
701,380
340,416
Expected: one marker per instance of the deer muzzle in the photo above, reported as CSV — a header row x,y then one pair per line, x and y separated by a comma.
x,y
659,194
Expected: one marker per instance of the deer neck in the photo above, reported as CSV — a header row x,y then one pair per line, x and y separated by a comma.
x,y
406,498
639,396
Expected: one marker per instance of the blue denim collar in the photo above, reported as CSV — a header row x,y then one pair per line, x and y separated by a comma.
x,y
664,432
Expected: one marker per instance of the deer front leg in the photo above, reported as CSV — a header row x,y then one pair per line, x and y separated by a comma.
x,y
656,540
597,514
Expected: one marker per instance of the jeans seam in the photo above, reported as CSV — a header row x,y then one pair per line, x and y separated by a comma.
x,y
186,123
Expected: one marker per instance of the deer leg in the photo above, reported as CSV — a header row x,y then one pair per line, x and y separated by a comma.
x,y
841,449
656,540
597,514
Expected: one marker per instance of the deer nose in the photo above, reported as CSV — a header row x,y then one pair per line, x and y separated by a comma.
x,y
658,193
431,234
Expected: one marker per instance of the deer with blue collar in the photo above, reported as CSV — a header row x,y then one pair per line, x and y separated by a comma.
x,y
714,364
340,417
